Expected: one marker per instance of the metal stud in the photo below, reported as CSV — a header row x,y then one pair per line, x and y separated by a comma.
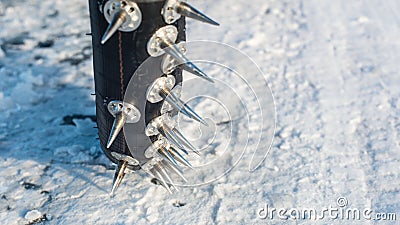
x,y
119,122
158,175
123,113
123,15
161,89
173,50
187,10
184,141
174,9
119,175
117,20
178,104
122,157
163,41
174,169
180,158
166,176
167,155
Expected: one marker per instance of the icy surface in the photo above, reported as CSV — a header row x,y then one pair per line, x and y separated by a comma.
x,y
332,67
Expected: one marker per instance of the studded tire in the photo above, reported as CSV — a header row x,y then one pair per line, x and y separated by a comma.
x,y
116,61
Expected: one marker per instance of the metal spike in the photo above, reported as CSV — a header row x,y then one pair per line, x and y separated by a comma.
x,y
165,173
161,178
194,115
180,158
119,121
173,50
118,19
174,103
172,99
177,137
164,152
119,175
187,10
162,156
165,131
183,140
192,68
184,151
175,169
151,174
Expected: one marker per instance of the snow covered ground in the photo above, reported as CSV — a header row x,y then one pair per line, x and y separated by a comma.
x,y
333,70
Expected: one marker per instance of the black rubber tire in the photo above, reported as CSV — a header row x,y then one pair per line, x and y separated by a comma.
x,y
116,61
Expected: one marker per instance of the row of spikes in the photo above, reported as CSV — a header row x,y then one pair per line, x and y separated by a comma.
x,y
180,7
171,158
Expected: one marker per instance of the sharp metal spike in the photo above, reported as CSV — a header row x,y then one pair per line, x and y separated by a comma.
x,y
118,19
180,158
172,99
184,151
174,103
119,175
195,116
187,10
176,137
192,114
165,131
175,169
166,159
119,121
183,140
161,178
185,63
165,173
163,151
192,68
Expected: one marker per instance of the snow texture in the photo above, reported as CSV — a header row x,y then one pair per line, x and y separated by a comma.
x,y
333,70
